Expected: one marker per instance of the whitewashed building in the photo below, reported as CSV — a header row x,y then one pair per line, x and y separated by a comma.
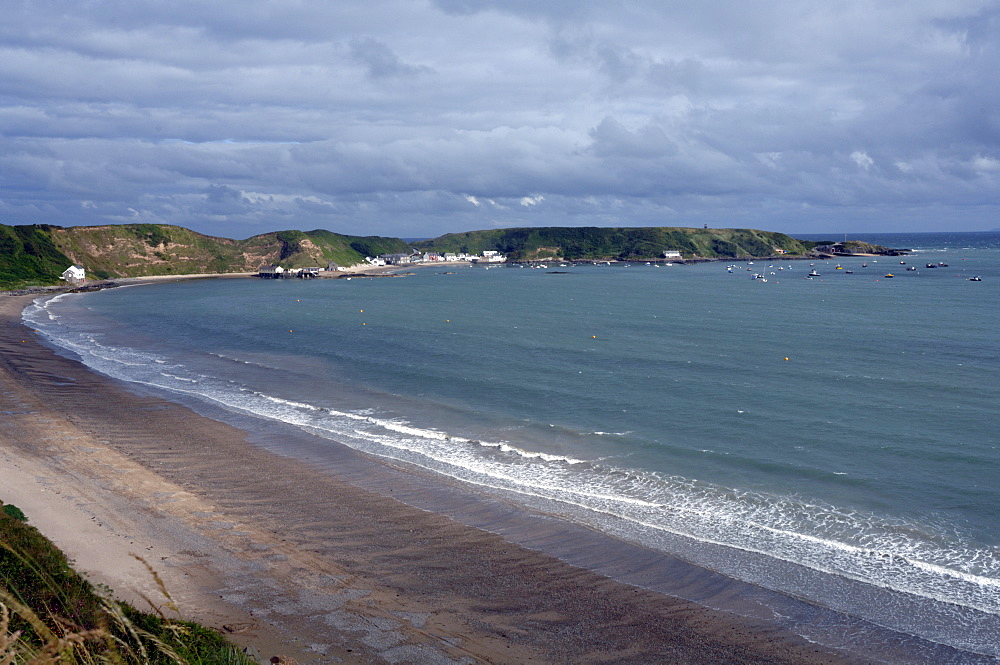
x,y
489,256
74,274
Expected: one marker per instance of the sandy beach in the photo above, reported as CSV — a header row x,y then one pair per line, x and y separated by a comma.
x,y
287,558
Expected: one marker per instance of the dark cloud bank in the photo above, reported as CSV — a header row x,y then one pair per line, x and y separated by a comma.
x,y
418,118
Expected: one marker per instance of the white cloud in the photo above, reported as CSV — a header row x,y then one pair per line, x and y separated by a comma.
x,y
528,201
862,159
985,164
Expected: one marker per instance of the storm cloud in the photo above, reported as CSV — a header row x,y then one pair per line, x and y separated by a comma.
x,y
414,119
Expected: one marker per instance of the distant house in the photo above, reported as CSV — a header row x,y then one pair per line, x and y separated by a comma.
x,y
309,273
74,274
671,254
270,272
397,259
489,256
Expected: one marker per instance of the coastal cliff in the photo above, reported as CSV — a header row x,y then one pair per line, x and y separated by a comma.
x,y
38,254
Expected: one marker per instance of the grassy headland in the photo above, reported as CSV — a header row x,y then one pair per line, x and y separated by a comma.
x,y
600,243
36,255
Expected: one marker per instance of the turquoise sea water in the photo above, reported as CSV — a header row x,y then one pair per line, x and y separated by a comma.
x,y
833,439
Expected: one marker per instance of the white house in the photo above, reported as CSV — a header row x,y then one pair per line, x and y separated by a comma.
x,y
671,255
74,274
490,256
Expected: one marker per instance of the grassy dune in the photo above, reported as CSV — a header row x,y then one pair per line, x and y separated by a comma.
x,y
50,614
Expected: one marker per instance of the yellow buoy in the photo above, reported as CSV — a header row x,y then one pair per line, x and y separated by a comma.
x,y
786,358
593,337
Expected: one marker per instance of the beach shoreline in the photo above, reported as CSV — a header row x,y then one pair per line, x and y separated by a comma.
x,y
290,560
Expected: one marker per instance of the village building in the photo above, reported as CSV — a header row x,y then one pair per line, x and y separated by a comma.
x,y
489,256
672,254
397,259
74,274
270,272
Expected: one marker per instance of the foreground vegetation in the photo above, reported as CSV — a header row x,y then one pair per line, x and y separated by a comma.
x,y
49,614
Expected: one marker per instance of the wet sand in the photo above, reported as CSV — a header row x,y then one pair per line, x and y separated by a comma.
x,y
290,559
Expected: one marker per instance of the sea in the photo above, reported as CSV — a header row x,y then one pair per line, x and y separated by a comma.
x,y
829,446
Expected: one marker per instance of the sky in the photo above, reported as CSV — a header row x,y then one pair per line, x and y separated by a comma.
x,y
422,117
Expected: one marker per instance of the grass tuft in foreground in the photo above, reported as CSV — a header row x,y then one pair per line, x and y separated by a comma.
x,y
49,614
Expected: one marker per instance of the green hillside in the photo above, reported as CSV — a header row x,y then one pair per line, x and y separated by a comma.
x,y
28,256
37,255
617,243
